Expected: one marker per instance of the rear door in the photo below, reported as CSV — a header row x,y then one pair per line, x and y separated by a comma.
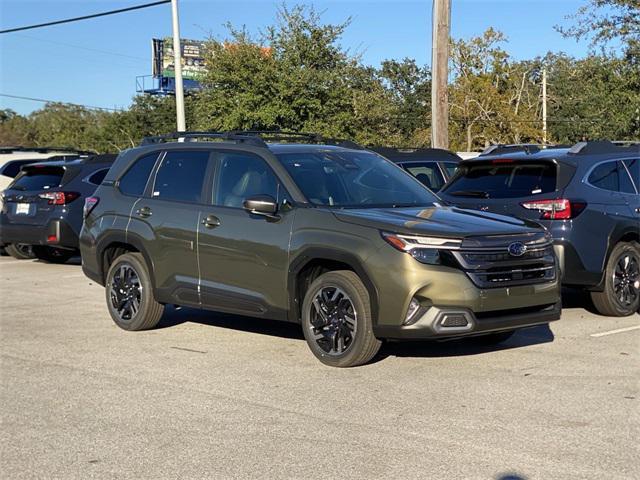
x,y
629,170
23,200
502,185
166,218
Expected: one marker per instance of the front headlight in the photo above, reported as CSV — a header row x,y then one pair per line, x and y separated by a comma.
x,y
427,250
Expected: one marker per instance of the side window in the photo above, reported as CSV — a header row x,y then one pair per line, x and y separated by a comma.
x,y
428,174
181,176
633,165
450,168
626,185
605,176
242,175
97,177
134,181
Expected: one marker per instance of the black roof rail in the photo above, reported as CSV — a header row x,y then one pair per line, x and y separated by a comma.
x,y
195,136
289,136
602,146
528,148
257,138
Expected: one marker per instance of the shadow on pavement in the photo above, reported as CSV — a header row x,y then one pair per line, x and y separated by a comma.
x,y
465,346
175,316
577,298
451,348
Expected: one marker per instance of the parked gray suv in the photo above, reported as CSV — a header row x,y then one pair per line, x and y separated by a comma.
x,y
587,196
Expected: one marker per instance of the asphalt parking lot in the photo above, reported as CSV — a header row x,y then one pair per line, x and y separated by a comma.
x,y
215,396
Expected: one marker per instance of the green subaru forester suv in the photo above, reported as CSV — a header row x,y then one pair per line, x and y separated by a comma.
x,y
316,232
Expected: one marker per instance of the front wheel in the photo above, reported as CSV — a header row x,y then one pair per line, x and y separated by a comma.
x,y
621,294
20,251
130,294
337,321
52,254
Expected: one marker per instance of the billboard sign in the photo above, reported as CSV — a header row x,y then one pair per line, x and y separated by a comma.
x,y
193,62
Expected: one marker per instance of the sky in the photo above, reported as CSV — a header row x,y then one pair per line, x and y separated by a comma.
x,y
95,62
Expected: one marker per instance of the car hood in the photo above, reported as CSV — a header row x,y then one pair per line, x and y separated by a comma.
x,y
437,221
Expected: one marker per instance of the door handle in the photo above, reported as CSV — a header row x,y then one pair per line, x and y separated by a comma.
x,y
211,221
638,210
144,212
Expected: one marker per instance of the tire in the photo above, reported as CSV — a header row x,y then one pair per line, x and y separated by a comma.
x,y
343,335
52,254
142,312
20,251
621,294
494,338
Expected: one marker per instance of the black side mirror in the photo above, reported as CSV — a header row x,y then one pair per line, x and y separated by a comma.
x,y
264,205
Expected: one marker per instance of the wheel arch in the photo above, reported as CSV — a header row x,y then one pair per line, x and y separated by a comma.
x,y
116,244
324,259
622,234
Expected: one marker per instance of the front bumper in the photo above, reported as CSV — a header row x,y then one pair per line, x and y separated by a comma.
x,y
449,322
56,233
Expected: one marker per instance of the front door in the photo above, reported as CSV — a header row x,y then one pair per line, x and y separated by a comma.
x,y
243,257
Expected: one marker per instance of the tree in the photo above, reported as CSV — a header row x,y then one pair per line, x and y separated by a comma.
x,y
606,20
493,100
296,76
597,97
408,86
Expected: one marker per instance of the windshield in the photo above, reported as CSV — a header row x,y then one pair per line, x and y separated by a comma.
x,y
348,179
503,180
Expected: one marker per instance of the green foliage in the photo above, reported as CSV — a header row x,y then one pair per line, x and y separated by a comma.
x,y
605,20
297,76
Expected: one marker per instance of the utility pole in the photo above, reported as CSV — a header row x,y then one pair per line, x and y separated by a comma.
x,y
440,73
544,105
177,62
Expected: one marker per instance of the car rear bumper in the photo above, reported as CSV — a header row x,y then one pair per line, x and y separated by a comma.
x,y
572,269
449,322
56,233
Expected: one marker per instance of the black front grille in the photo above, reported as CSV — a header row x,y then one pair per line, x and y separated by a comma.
x,y
496,267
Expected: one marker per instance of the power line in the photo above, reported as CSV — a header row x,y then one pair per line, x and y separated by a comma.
x,y
105,52
85,17
42,100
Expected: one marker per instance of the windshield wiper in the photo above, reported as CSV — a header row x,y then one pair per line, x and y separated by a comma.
x,y
470,193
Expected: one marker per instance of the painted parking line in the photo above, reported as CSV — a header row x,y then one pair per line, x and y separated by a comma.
x,y
619,330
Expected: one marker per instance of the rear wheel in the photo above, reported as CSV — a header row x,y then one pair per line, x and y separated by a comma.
x,y
52,254
21,251
337,322
130,294
621,294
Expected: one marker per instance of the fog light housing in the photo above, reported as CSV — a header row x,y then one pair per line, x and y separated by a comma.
x,y
412,312
428,256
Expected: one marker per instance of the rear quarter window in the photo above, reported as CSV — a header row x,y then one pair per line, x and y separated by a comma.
x,y
97,177
38,178
134,181
510,180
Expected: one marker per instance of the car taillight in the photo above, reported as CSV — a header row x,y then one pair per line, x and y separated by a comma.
x,y
556,209
59,198
89,204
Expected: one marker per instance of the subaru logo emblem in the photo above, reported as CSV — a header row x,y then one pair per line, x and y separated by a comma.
x,y
517,249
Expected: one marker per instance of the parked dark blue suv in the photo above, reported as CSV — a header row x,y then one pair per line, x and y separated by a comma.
x,y
587,196
43,206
